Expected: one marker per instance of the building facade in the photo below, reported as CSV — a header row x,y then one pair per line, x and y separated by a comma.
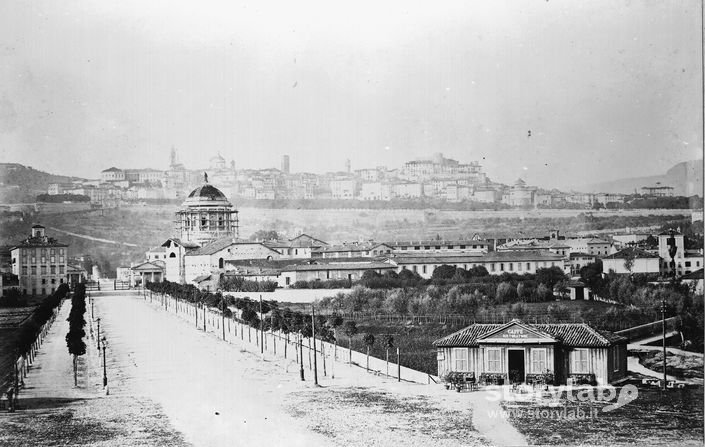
x,y
517,352
40,263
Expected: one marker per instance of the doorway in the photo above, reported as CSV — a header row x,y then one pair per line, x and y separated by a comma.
x,y
516,365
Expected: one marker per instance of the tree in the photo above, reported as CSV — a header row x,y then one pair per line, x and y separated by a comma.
x,y
369,341
369,275
388,344
478,271
335,321
265,235
74,338
543,293
522,292
350,329
550,276
443,272
506,292
562,289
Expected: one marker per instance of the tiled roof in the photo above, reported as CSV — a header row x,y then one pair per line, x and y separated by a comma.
x,y
339,266
570,334
434,243
221,244
496,256
698,274
631,252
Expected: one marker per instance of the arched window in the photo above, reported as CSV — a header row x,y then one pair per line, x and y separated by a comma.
x,y
220,263
172,255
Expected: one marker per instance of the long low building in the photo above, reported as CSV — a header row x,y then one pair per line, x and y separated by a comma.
x,y
517,352
326,271
496,263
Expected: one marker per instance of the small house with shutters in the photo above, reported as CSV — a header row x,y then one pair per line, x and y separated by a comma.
x,y
518,352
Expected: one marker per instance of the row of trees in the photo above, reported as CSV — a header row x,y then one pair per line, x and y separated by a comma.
x,y
268,316
239,284
74,338
29,330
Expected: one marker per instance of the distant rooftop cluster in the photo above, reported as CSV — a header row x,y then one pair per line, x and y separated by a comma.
x,y
435,178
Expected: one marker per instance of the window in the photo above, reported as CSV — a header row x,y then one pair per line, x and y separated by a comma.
x,y
474,246
61,270
44,270
538,360
462,247
511,266
53,281
579,361
519,266
423,269
450,247
528,266
52,269
493,361
34,271
615,358
415,269
417,247
687,263
460,359
427,247
492,267
24,270
52,252
501,266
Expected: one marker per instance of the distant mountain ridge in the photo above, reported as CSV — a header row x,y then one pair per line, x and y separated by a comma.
x,y
686,178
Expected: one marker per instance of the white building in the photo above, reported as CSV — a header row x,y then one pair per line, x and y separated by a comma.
x,y
344,189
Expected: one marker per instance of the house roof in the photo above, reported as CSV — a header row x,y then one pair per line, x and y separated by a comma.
x,y
569,334
434,243
112,169
363,246
496,256
223,243
149,266
338,266
698,274
631,252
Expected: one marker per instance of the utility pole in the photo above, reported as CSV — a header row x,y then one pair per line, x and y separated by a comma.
x,y
313,335
222,312
261,327
301,355
663,327
398,366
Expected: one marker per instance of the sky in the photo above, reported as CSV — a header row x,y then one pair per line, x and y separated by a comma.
x,y
607,89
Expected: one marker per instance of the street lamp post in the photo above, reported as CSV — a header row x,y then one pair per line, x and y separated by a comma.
x,y
98,337
105,370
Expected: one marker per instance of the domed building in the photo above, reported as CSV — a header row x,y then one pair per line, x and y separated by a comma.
x,y
206,215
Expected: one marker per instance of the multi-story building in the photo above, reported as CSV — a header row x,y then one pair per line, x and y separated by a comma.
x,y
344,188
112,174
686,261
376,191
40,262
407,190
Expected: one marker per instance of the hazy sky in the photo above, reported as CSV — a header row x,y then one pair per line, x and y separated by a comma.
x,y
608,89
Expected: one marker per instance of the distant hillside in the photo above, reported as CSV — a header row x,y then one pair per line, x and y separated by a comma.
x,y
686,178
20,183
